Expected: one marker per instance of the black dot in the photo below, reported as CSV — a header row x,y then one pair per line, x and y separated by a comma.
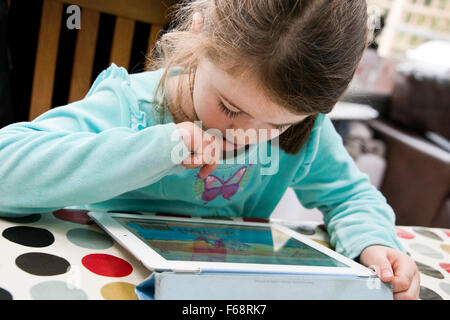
x,y
428,294
429,271
42,264
27,219
29,236
5,295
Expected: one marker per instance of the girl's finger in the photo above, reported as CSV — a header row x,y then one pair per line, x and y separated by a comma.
x,y
383,268
190,166
404,270
195,160
206,170
412,293
386,274
211,151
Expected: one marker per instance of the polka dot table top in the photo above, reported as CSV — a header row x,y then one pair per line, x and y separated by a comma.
x,y
64,255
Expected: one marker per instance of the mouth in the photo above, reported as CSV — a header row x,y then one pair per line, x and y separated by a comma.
x,y
227,145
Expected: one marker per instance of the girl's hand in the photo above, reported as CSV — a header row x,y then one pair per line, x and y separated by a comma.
x,y
396,267
204,147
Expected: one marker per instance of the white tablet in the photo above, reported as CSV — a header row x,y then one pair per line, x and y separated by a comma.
x,y
176,244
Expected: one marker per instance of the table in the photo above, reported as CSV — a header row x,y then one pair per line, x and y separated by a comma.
x,y
65,255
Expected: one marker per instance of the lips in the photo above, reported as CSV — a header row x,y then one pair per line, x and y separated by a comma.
x,y
227,145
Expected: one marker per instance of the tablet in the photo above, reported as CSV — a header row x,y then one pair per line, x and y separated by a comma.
x,y
176,244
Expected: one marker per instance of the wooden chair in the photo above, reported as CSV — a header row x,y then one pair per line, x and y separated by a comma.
x,y
127,13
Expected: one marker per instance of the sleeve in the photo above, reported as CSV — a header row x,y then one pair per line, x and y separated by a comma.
x,y
85,152
356,214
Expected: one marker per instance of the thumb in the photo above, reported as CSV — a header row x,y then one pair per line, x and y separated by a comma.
x,y
384,269
376,258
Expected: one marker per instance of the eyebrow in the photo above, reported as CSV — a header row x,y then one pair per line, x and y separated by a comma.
x,y
272,124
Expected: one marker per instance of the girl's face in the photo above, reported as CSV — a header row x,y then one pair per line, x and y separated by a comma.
x,y
228,104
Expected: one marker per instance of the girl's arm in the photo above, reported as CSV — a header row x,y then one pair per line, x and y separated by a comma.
x,y
356,214
85,152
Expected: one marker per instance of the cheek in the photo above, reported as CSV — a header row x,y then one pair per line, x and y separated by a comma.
x,y
273,133
249,132
268,134
252,135
265,134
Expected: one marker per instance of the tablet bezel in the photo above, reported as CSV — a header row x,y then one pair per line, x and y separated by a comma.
x,y
155,262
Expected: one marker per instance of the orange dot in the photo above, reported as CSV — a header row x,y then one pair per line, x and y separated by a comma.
x,y
446,247
119,291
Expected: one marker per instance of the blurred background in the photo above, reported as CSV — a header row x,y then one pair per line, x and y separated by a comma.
x,y
394,118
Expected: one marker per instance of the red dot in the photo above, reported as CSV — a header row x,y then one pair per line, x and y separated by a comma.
x,y
255,220
404,234
72,215
107,265
447,232
445,266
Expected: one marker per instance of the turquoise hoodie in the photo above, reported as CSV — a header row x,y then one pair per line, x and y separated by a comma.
x,y
107,152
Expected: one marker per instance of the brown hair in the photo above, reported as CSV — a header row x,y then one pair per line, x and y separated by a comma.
x,y
304,53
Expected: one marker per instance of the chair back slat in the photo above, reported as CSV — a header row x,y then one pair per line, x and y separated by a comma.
x,y
122,42
126,12
45,66
84,55
154,32
153,36
148,11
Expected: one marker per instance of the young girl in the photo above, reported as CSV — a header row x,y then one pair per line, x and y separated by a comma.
x,y
274,67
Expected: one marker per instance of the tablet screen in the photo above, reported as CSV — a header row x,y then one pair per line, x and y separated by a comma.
x,y
193,241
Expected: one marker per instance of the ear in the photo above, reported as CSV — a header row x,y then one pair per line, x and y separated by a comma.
x,y
197,22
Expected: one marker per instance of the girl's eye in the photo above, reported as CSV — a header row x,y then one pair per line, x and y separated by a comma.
x,y
233,114
230,114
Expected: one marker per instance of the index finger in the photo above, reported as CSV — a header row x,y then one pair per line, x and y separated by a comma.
x,y
404,270
207,169
211,150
